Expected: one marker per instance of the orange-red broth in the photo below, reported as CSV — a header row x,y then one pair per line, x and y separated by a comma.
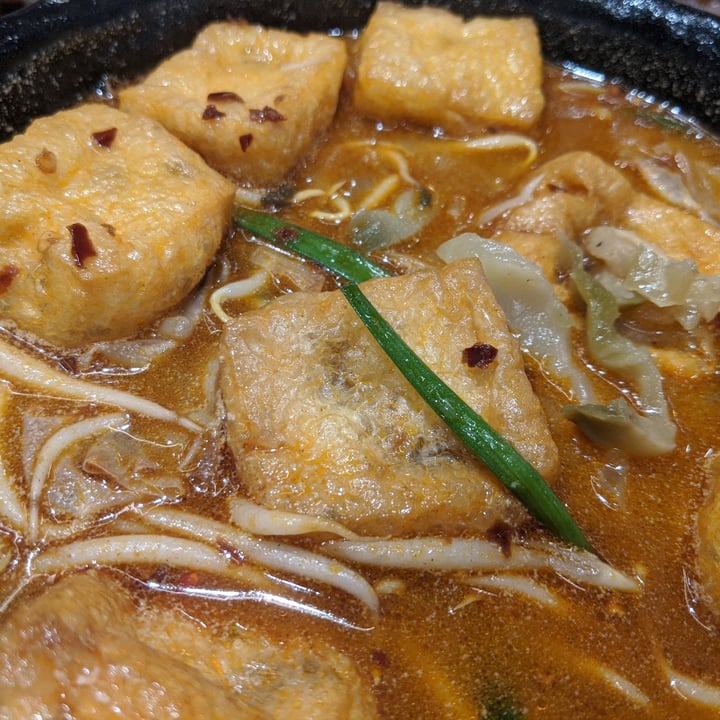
x,y
510,647
440,649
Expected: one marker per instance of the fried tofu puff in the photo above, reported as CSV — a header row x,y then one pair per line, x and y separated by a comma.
x,y
578,191
321,422
251,100
83,644
107,221
430,66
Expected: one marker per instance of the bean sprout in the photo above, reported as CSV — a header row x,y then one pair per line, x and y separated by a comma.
x,y
260,520
11,509
144,549
51,451
275,555
22,368
432,554
236,291
513,584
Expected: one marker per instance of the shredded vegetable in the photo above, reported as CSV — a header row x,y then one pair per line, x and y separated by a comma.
x,y
643,272
618,425
374,229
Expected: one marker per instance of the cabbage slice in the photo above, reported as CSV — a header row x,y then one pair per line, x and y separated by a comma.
x,y
543,325
375,229
533,310
643,271
618,424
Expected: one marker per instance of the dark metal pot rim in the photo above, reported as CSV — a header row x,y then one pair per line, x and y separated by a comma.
x,y
53,53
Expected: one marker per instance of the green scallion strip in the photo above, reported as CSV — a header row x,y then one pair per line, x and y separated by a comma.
x,y
341,260
516,473
661,120
510,467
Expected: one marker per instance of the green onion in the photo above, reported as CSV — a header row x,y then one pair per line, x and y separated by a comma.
x,y
510,467
661,120
341,260
502,459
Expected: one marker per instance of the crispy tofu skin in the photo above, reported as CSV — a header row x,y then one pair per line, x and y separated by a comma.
x,y
83,649
250,100
321,422
577,191
431,67
107,221
300,678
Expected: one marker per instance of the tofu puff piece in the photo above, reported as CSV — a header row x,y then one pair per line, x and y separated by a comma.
x,y
82,649
106,222
431,67
321,422
251,101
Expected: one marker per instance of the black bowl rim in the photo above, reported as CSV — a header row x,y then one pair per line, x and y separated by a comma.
x,y
54,53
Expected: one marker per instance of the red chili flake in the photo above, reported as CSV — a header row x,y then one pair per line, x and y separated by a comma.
x,y
224,96
286,234
245,141
105,138
501,533
479,355
46,161
267,114
189,579
380,657
110,228
82,247
279,99
7,274
212,113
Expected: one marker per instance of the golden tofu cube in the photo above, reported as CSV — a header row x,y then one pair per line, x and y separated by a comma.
x,y
431,67
321,422
152,662
251,100
106,221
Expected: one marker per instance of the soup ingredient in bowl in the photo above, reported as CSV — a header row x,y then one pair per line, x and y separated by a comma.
x,y
509,466
83,645
352,441
251,100
97,206
431,67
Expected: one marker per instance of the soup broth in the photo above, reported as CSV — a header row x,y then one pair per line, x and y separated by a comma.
x,y
440,646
